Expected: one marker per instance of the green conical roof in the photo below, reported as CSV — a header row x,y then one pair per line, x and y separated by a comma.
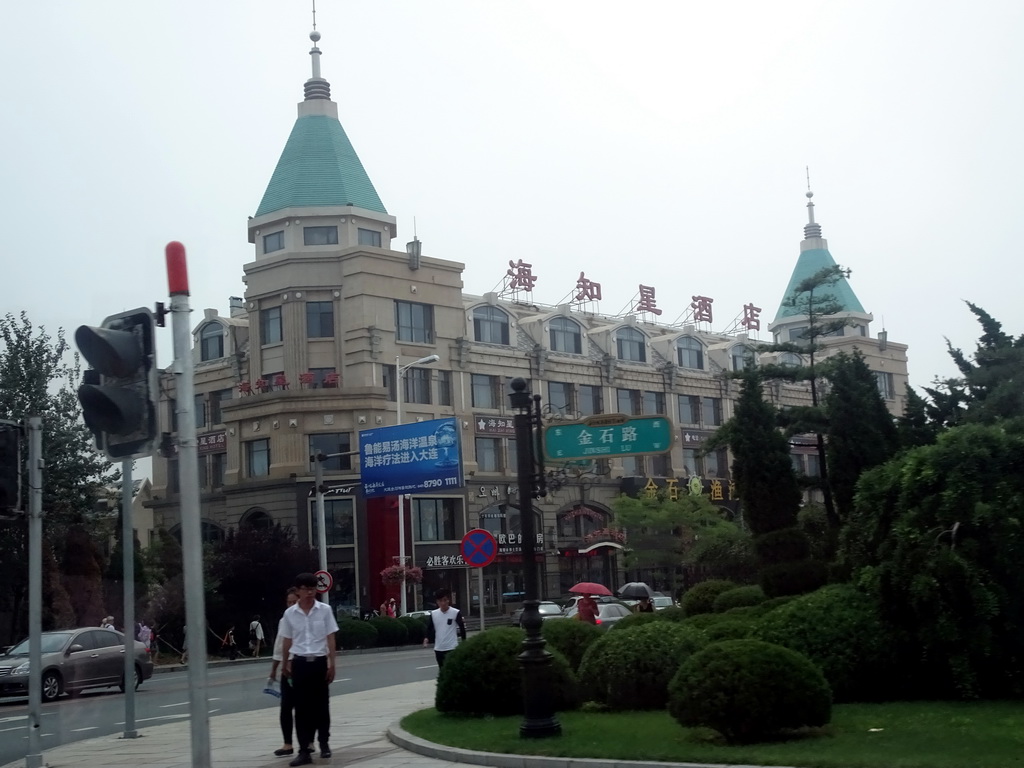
x,y
319,167
809,264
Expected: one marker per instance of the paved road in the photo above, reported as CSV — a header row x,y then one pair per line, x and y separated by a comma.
x,y
164,698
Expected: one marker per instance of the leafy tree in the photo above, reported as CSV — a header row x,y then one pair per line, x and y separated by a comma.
x,y
57,610
37,380
936,536
664,532
113,579
861,432
989,389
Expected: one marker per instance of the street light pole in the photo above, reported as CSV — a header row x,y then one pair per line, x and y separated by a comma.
x,y
399,390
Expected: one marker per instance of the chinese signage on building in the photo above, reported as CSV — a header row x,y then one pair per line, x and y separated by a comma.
x,y
495,425
411,458
608,435
212,442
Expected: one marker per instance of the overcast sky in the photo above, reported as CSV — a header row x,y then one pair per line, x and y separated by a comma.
x,y
661,143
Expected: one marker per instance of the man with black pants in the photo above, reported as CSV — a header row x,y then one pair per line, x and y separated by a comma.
x,y
445,626
308,654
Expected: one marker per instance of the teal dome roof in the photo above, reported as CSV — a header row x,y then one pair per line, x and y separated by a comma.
x,y
319,167
809,264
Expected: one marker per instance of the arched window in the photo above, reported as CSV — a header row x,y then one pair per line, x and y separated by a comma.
x,y
741,357
211,342
631,345
256,518
690,353
490,325
790,360
565,336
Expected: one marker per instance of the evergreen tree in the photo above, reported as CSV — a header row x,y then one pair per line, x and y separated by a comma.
x,y
57,610
861,432
915,427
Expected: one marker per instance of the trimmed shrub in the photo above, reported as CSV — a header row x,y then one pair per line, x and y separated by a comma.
x,y
729,629
570,638
415,627
630,668
482,676
837,628
740,597
390,631
705,620
748,690
700,598
785,545
796,578
635,620
675,613
745,612
353,633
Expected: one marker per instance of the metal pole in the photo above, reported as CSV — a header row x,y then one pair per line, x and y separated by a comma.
x,y
321,516
538,714
128,552
34,758
191,531
401,496
480,594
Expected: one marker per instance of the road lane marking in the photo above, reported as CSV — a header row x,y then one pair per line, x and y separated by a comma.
x,y
17,728
179,704
429,666
13,719
90,728
158,717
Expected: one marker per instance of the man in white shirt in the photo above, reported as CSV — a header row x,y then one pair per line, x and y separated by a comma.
x,y
256,636
287,696
445,626
307,658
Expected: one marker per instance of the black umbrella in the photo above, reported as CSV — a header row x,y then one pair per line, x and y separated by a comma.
x,y
635,590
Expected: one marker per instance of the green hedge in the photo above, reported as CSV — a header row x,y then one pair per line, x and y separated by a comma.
x,y
482,677
390,631
837,628
749,690
741,597
700,598
570,638
631,668
353,633
415,627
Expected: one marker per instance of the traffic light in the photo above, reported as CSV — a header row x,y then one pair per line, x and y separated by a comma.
x,y
119,396
10,466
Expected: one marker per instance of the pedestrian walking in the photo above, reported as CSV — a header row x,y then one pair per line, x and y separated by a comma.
x,y
184,644
107,623
255,635
308,656
389,608
445,626
145,635
287,711
587,610
228,645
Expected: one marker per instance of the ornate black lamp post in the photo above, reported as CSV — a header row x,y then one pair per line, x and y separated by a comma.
x,y
538,714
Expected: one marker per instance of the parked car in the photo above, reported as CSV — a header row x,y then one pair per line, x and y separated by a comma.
x,y
73,660
417,614
609,611
661,602
547,608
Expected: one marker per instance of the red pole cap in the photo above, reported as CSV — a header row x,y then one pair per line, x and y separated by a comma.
x,y
177,270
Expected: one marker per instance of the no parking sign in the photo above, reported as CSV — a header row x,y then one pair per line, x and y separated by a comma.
x,y
478,548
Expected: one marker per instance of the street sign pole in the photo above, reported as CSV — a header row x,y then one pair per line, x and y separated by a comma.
x,y
191,530
321,517
128,554
34,758
478,550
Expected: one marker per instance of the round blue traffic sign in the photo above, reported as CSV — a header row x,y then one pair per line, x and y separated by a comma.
x,y
479,548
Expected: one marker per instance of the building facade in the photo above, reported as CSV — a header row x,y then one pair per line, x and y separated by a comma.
x,y
324,343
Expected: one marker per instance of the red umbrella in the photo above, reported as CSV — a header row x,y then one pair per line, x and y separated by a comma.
x,y
590,588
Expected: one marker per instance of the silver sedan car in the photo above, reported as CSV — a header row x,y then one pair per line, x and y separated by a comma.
x,y
73,660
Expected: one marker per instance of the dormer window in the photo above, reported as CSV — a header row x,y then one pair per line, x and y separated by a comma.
x,y
211,342
490,325
631,344
273,242
320,235
368,237
565,336
690,353
741,358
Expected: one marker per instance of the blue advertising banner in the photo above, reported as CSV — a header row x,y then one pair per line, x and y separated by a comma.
x,y
410,458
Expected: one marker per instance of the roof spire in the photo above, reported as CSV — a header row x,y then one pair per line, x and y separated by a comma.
x,y
811,229
316,87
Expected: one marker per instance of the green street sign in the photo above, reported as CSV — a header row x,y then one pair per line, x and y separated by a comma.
x,y
606,436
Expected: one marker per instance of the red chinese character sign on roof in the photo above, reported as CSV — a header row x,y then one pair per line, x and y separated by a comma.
x,y
522,276
587,290
701,307
646,302
751,317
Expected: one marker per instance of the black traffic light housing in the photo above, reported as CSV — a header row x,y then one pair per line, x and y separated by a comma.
x,y
119,394
10,466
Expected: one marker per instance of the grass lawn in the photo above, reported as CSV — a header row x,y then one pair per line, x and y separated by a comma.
x,y
893,735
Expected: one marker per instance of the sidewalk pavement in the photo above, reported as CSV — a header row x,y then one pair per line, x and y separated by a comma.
x,y
359,724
